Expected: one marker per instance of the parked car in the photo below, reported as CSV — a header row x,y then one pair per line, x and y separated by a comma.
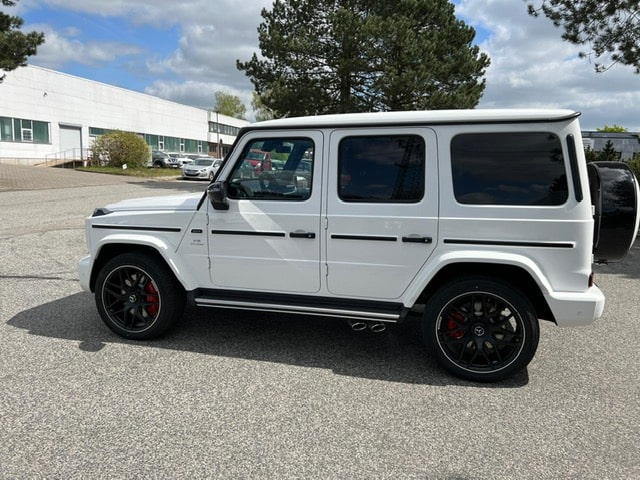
x,y
163,160
203,168
259,160
180,158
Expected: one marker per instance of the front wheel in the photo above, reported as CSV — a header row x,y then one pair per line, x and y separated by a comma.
x,y
481,329
138,297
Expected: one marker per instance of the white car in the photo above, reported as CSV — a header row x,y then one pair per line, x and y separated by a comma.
x,y
483,222
203,168
179,158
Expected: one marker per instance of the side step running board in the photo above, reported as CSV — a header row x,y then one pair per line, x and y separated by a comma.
x,y
301,305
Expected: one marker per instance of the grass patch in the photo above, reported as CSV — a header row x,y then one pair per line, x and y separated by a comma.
x,y
134,172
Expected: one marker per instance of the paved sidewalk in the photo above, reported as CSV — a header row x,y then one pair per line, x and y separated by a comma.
x,y
21,177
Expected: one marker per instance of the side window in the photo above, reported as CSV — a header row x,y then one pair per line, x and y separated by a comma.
x,y
274,169
382,169
508,169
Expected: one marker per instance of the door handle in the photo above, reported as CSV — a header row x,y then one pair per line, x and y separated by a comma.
x,y
416,239
300,234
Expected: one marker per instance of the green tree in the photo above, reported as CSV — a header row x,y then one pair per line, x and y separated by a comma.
x,y
15,46
591,155
634,164
336,56
262,112
229,105
118,148
608,153
614,129
610,28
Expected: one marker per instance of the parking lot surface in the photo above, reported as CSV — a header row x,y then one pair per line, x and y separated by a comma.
x,y
231,394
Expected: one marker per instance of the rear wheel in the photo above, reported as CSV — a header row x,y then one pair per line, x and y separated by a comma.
x,y
138,297
481,329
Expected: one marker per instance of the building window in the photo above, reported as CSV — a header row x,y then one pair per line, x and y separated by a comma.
x,y
6,129
40,132
22,130
223,129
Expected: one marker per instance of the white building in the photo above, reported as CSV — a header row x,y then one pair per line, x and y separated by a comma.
x,y
48,116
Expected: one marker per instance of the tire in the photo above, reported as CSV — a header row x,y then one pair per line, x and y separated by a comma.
x,y
138,297
614,196
211,175
481,329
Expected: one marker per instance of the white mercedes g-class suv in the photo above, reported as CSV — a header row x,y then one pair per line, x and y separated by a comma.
x,y
485,220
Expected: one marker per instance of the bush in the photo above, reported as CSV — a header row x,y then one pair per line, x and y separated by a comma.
x,y
118,148
634,164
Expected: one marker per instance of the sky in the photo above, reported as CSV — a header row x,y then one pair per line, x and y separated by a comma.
x,y
186,50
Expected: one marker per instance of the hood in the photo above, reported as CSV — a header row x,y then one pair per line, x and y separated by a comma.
x,y
188,202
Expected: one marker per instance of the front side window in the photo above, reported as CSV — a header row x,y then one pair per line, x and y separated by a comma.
x,y
524,168
382,169
274,169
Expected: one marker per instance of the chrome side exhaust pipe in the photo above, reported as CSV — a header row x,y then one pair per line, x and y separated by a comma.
x,y
357,325
377,327
360,325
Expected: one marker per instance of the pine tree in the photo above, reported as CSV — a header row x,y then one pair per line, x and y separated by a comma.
x,y
15,46
611,28
336,56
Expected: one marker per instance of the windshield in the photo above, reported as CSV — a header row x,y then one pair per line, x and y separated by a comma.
x,y
253,155
203,162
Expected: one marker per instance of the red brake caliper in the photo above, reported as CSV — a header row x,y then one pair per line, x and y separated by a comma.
x,y
152,299
453,325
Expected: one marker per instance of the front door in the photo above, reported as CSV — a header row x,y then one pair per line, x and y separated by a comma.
x,y
269,238
382,210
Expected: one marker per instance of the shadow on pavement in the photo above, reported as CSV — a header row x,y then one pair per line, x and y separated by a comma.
x,y
629,266
395,355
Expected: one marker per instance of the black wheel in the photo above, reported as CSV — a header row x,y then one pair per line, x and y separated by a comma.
x,y
138,297
211,175
481,329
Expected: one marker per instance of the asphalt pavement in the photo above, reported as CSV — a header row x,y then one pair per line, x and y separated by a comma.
x,y
231,394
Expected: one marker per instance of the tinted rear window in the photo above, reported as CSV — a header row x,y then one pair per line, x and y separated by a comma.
x,y
383,169
508,169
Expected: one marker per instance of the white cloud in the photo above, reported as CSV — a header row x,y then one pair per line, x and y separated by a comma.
x,y
213,34
532,67
196,93
61,48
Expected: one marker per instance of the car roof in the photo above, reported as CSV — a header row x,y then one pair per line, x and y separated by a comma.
x,y
424,117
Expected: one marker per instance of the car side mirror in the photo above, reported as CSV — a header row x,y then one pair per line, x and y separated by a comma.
x,y
217,193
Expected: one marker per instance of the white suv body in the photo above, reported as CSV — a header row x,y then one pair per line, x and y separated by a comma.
x,y
483,217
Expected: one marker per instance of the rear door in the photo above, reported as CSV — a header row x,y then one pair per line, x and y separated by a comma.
x,y
382,209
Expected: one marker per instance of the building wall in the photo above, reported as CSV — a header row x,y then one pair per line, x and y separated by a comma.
x,y
628,144
60,100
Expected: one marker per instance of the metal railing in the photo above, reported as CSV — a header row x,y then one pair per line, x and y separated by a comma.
x,y
68,158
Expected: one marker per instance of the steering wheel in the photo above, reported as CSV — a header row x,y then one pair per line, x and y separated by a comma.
x,y
267,180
